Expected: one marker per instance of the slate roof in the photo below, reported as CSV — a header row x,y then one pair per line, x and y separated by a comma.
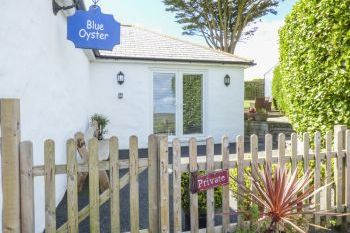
x,y
142,44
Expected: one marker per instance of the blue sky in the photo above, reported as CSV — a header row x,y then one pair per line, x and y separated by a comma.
x,y
151,14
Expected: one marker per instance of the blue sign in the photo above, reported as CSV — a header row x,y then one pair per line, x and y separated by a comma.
x,y
93,30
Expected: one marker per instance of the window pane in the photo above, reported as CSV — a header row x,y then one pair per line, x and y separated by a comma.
x,y
192,104
164,103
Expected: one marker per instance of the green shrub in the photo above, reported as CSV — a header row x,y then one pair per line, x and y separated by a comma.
x,y
315,65
277,93
202,196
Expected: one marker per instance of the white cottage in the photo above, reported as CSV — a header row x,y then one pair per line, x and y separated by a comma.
x,y
170,86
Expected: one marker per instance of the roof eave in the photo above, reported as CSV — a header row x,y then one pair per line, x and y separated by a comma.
x,y
244,63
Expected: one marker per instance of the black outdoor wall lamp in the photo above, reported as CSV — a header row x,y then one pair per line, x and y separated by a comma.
x,y
227,80
120,78
56,8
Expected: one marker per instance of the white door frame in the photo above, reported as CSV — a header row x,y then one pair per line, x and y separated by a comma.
x,y
179,99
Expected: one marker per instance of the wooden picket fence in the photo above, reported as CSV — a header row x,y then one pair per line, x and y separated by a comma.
x,y
21,217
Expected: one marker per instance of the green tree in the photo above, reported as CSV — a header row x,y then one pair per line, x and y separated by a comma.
x,y
277,94
315,64
222,23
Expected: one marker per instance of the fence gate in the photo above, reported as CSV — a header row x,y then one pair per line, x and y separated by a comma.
x,y
18,173
73,170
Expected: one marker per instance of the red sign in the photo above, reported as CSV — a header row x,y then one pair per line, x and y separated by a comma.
x,y
212,180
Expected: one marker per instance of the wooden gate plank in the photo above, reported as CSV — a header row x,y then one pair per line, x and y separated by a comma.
x,y
72,187
254,155
328,139
268,149
134,185
339,140
306,144
338,174
294,151
50,194
240,174
281,149
27,187
115,184
193,196
317,175
11,137
177,185
153,184
104,197
164,184
226,188
83,153
210,192
347,158
94,186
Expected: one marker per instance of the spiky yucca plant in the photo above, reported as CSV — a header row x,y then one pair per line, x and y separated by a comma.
x,y
281,196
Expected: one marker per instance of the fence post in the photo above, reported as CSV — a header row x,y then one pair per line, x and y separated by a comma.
x,y
94,186
210,192
164,184
27,187
306,155
72,187
317,174
225,189
153,184
50,193
240,175
177,186
347,200
134,184
340,167
329,203
115,184
11,137
193,196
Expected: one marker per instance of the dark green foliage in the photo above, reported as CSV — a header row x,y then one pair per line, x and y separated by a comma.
x,y
192,108
253,225
202,196
222,23
315,65
234,187
254,89
277,94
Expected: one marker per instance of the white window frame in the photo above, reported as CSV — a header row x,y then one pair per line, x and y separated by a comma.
x,y
179,100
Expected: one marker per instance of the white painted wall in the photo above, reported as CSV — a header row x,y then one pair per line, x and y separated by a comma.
x,y
225,104
43,69
133,114
130,115
59,88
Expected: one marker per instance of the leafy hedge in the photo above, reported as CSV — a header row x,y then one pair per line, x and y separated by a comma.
x,y
277,94
202,196
315,65
254,89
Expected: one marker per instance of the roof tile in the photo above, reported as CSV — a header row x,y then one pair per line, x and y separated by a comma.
x,y
140,43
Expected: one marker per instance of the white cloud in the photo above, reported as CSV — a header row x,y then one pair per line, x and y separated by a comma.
x,y
262,47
